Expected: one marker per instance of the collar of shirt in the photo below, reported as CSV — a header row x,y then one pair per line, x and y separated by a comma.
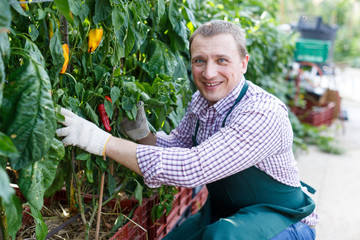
x,y
201,108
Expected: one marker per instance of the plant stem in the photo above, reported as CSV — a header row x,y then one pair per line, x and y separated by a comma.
x,y
107,46
81,207
3,222
88,225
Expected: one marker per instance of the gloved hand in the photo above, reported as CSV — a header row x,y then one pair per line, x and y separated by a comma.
x,y
138,129
82,133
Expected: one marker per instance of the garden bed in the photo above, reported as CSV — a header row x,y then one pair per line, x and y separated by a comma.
x,y
136,220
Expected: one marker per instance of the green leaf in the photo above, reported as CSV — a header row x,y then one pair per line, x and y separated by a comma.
x,y
119,222
34,52
114,94
174,14
84,12
79,89
83,156
41,14
91,114
130,88
111,184
144,97
75,7
7,147
160,9
58,182
102,11
74,104
119,52
180,70
64,8
138,193
127,103
179,36
162,60
118,17
4,46
13,211
6,191
28,113
191,16
143,8
56,51
129,40
89,174
5,14
168,206
109,108
37,177
41,229
2,79
99,72
18,9
33,32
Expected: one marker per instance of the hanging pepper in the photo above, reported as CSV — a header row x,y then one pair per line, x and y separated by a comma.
x,y
51,30
23,5
108,98
52,27
94,39
65,48
104,117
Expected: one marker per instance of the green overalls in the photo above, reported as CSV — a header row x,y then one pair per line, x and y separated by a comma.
x,y
247,205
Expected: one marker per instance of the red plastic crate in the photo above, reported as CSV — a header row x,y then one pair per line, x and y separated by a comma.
x,y
199,200
131,230
316,115
165,224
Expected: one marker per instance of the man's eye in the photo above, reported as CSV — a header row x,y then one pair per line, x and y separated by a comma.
x,y
221,60
199,61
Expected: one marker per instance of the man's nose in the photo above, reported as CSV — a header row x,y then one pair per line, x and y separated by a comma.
x,y
210,71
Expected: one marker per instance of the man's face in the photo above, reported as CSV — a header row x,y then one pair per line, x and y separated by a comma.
x,y
216,66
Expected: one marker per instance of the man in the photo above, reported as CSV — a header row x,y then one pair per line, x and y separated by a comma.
x,y
235,138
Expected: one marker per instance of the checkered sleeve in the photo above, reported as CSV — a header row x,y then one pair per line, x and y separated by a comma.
x,y
251,136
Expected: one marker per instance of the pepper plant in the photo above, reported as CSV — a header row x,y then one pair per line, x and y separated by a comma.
x,y
52,56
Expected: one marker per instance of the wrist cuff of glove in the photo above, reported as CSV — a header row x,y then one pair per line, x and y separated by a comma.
x,y
104,148
98,143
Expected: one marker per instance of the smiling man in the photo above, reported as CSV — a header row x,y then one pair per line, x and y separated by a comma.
x,y
235,138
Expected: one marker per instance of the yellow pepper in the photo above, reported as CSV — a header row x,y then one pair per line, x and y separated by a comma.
x,y
94,39
23,5
65,48
51,30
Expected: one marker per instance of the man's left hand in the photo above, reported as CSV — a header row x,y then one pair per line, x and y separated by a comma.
x,y
82,133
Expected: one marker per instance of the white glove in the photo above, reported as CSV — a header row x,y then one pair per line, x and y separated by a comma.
x,y
82,133
138,129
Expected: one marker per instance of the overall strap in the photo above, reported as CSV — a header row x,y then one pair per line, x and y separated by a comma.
x,y
241,95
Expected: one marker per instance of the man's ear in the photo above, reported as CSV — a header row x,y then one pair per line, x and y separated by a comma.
x,y
244,64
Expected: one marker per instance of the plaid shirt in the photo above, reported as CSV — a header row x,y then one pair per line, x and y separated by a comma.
x,y
257,133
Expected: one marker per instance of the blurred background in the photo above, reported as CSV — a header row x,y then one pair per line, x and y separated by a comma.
x,y
335,176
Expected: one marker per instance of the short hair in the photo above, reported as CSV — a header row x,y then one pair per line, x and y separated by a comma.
x,y
216,27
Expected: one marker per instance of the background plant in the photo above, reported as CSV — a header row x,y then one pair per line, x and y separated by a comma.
x,y
341,13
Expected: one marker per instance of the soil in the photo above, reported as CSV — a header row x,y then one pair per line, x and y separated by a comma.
x,y
56,212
